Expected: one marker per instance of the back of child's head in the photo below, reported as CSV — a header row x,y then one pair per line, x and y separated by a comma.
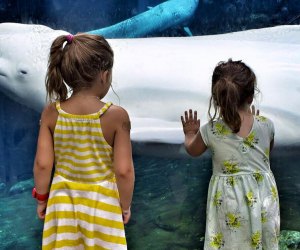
x,y
233,86
76,61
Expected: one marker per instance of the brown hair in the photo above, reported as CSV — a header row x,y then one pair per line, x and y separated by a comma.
x,y
233,85
76,64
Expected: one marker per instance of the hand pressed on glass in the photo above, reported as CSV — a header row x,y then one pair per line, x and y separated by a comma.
x,y
190,123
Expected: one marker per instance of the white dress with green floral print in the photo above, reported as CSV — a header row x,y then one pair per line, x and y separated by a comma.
x,y
242,203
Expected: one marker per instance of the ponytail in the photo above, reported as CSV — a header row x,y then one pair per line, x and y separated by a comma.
x,y
233,83
77,64
55,86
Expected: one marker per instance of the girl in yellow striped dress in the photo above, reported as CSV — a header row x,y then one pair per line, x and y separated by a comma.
x,y
88,143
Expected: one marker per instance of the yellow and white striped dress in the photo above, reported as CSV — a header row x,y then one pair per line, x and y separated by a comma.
x,y
83,210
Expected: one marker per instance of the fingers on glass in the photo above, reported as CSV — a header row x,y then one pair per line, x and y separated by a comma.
x,y
190,114
182,120
253,109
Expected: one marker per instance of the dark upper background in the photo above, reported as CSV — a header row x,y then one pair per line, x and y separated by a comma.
x,y
211,17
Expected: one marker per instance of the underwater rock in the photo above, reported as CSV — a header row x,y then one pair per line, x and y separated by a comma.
x,y
289,240
167,225
21,187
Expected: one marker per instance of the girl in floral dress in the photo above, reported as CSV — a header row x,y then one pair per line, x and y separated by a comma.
x,y
242,203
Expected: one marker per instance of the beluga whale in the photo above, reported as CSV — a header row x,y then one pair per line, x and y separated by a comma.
x,y
156,79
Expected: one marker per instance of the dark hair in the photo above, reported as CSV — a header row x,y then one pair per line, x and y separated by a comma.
x,y
233,85
76,64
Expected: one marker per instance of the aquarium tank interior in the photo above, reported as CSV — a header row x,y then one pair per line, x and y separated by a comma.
x,y
165,52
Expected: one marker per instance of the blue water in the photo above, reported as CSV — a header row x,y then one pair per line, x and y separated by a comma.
x,y
168,210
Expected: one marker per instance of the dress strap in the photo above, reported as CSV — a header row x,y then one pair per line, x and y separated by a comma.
x,y
57,105
104,108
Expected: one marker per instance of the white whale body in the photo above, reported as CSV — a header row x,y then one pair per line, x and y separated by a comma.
x,y
158,78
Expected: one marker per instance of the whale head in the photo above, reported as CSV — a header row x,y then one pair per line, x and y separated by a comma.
x,y
24,53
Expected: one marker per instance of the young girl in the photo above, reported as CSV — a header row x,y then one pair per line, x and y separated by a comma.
x,y
242,203
88,142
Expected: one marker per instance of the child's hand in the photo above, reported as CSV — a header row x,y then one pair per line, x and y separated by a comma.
x,y
41,209
126,215
190,123
253,111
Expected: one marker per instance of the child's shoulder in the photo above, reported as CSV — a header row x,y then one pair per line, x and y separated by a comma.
x,y
49,115
263,119
50,110
266,124
118,110
118,113
217,122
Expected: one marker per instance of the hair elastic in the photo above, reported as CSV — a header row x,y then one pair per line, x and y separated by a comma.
x,y
69,38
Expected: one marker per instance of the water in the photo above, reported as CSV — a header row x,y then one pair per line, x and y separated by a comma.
x,y
168,210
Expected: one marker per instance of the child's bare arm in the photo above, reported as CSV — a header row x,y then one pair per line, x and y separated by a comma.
x,y
44,159
193,142
123,163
